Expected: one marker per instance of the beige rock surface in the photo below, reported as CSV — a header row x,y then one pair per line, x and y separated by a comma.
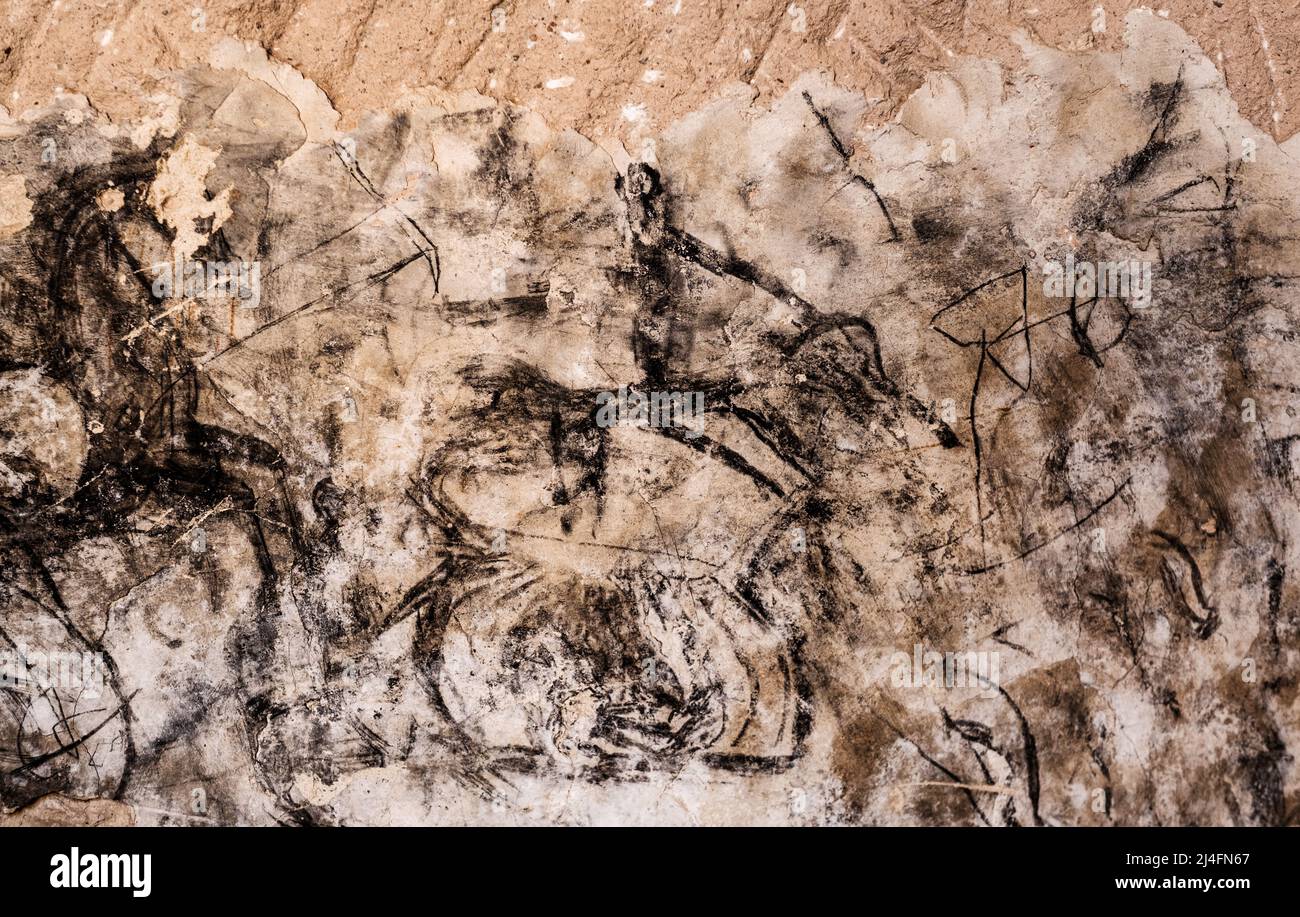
x,y
54,810
620,68
342,506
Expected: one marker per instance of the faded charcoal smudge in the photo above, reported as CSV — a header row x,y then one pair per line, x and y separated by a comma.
x,y
361,549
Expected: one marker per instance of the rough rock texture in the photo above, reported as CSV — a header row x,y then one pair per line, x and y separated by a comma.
x,y
350,539
624,69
